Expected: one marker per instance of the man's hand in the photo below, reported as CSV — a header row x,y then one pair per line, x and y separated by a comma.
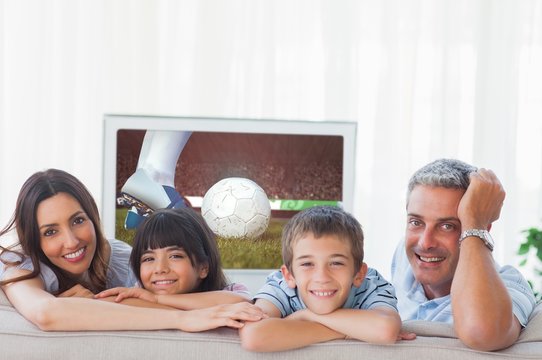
x,y
482,202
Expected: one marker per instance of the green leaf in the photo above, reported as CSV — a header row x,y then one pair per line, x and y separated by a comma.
x,y
524,248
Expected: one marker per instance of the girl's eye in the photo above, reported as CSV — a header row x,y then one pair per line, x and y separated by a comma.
x,y
178,256
147,259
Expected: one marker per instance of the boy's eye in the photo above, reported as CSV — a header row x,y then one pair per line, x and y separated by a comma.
x,y
337,263
305,264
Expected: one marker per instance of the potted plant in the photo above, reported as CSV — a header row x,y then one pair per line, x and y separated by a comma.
x,y
533,240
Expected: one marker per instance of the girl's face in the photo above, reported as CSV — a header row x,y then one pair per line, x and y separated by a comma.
x,y
67,235
170,271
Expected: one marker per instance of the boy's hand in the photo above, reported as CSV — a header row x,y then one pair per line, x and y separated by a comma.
x,y
403,335
77,291
122,293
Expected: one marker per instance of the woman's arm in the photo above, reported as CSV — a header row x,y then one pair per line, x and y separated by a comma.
x,y
73,313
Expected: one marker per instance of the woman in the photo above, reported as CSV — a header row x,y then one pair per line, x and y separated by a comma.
x,y
63,252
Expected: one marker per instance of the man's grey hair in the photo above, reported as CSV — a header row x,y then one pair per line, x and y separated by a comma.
x,y
447,173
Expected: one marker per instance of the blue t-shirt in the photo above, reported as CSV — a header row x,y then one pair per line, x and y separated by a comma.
x,y
374,291
414,305
119,272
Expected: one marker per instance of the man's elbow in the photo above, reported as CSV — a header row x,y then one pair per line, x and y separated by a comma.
x,y
485,337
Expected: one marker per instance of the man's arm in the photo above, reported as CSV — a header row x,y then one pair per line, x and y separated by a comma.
x,y
380,325
276,334
482,308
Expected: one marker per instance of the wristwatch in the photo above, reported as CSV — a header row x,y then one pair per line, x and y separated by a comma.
x,y
482,234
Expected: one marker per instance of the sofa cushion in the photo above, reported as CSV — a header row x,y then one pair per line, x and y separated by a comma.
x,y
21,339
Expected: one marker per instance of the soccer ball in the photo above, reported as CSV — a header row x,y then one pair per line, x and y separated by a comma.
x,y
236,207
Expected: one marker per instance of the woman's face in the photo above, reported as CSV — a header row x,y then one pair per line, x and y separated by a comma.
x,y
67,235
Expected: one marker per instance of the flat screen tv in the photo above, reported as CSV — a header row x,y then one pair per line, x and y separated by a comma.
x,y
297,163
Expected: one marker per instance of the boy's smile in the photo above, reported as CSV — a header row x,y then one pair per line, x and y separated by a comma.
x,y
323,272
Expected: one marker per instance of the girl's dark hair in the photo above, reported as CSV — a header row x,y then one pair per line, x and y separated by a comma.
x,y
186,229
37,188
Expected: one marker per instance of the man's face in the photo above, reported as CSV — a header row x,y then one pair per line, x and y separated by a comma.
x,y
432,237
323,271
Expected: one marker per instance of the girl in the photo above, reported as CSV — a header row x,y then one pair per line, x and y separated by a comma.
x,y
62,251
176,262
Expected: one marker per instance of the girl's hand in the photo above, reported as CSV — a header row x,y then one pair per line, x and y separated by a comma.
x,y
231,315
77,291
125,293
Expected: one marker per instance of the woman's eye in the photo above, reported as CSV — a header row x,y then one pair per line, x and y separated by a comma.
x,y
49,232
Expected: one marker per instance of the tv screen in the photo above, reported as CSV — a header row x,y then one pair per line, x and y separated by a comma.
x,y
297,164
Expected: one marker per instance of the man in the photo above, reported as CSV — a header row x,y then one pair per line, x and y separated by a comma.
x,y
445,271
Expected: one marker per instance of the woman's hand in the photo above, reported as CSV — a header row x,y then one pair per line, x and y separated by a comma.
x,y
77,291
122,293
230,315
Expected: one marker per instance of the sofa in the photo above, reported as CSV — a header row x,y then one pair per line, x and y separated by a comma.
x,y
20,339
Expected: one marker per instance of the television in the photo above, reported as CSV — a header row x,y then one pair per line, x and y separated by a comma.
x,y
297,163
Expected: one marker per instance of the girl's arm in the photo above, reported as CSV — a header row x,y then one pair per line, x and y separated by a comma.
x,y
190,301
73,314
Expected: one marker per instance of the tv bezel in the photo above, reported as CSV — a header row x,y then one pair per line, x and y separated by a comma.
x,y
115,122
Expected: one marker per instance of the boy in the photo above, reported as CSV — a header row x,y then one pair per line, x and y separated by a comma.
x,y
323,291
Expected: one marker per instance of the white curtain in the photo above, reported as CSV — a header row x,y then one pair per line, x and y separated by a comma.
x,y
423,78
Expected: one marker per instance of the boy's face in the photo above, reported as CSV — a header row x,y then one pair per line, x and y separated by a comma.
x,y
323,272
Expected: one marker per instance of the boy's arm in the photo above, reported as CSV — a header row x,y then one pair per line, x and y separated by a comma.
x,y
380,325
276,334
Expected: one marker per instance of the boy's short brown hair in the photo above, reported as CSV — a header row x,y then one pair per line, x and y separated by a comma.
x,y
319,221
